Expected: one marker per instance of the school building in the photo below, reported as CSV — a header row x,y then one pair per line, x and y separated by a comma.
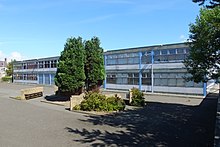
x,y
157,68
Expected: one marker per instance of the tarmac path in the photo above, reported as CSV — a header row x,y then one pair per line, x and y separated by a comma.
x,y
34,124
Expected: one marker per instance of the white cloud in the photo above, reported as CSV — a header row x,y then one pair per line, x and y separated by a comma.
x,y
15,55
11,56
183,38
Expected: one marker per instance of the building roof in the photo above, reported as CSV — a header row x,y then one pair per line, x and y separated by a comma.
x,y
148,48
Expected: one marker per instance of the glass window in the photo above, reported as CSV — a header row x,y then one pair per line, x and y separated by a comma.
x,y
180,83
52,79
157,82
163,52
157,52
136,74
157,58
180,75
164,58
46,64
41,64
136,81
157,75
111,61
146,81
130,81
171,82
172,51
163,82
134,55
189,84
180,57
122,61
172,57
130,75
171,75
180,51
133,60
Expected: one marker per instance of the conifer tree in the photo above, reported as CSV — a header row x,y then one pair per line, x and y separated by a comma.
x,y
70,75
94,64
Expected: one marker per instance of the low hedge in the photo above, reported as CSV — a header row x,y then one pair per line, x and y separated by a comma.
x,y
95,101
6,79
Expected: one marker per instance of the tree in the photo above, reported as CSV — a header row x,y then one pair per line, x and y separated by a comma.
x,y
212,3
70,75
203,61
94,64
9,70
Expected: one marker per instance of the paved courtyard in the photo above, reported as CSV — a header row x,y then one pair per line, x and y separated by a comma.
x,y
160,123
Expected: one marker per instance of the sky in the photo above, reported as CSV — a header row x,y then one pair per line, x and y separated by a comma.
x,y
39,28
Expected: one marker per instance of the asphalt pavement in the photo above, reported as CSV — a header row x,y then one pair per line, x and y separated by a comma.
x,y
33,124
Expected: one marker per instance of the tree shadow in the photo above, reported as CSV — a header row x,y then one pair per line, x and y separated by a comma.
x,y
157,124
57,98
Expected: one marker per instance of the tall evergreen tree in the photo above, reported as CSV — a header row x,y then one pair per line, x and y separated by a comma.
x,y
94,64
70,75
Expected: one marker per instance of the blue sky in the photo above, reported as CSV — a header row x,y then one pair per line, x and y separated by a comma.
x,y
39,28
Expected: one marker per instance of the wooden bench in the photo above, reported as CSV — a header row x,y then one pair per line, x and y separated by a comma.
x,y
30,93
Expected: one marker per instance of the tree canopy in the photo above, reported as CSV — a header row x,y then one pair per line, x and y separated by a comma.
x,y
212,3
94,64
203,61
9,70
81,63
70,75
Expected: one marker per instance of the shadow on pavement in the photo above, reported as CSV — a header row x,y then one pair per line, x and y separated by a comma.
x,y
56,98
157,124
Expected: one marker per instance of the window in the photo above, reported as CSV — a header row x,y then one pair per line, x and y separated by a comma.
x,y
180,51
111,61
157,52
164,52
32,65
46,64
41,64
172,51
133,60
24,65
32,77
111,78
53,63
122,61
180,57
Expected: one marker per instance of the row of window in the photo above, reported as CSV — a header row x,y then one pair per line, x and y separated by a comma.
x,y
160,79
148,53
43,79
35,65
172,55
31,77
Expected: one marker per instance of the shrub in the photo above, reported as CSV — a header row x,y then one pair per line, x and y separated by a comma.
x,y
6,78
77,107
98,102
137,97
